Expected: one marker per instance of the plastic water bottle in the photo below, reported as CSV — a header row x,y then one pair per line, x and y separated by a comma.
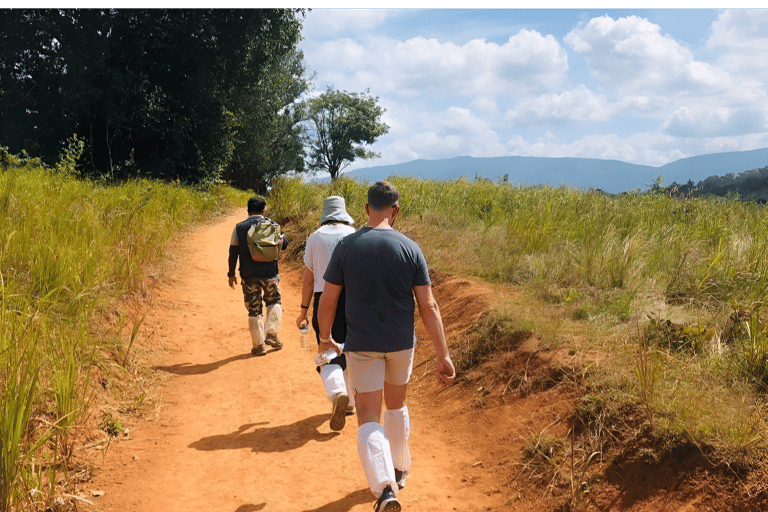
x,y
304,330
324,358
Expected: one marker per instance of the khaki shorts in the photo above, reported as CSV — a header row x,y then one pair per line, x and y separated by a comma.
x,y
368,371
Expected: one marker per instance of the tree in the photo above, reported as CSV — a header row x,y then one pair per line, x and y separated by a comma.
x,y
266,125
148,90
339,123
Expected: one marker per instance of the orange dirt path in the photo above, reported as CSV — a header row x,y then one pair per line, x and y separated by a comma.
x,y
238,433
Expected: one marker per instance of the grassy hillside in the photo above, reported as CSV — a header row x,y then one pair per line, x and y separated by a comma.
x,y
68,249
656,300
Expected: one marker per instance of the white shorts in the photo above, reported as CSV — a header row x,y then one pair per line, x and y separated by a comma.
x,y
369,370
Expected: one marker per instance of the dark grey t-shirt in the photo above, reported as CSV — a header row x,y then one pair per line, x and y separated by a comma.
x,y
378,269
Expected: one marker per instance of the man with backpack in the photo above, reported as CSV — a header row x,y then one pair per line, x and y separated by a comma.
x,y
257,242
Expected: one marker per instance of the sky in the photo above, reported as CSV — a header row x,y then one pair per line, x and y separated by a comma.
x,y
641,86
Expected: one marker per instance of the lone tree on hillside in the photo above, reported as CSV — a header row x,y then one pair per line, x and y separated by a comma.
x,y
339,123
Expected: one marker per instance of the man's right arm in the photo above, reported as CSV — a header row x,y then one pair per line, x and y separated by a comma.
x,y
433,323
234,253
326,312
307,288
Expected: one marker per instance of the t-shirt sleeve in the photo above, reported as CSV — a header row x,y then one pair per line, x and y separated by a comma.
x,y
233,239
308,252
333,273
422,272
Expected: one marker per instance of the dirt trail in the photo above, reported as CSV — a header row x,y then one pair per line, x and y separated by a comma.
x,y
239,433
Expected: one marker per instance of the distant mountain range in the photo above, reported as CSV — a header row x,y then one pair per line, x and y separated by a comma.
x,y
611,176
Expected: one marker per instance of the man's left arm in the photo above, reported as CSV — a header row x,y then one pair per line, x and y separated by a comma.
x,y
433,323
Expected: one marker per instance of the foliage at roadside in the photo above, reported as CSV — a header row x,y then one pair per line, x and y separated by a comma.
x,y
68,248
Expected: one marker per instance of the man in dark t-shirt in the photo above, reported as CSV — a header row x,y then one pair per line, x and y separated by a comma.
x,y
381,270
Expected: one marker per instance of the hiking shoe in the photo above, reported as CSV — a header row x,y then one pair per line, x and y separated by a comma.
x,y
339,413
401,477
387,502
272,341
261,350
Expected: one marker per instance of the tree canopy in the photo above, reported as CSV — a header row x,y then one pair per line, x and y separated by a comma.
x,y
163,92
266,125
339,125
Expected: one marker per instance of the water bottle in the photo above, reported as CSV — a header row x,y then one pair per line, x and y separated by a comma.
x,y
324,358
304,330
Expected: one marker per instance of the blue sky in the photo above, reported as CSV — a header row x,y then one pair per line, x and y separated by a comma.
x,y
645,86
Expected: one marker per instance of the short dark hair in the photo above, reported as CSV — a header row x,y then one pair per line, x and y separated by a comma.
x,y
382,195
256,204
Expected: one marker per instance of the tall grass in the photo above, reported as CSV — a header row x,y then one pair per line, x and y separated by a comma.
x,y
613,261
68,247
694,249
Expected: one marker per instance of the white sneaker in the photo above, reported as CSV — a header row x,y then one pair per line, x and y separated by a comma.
x,y
387,502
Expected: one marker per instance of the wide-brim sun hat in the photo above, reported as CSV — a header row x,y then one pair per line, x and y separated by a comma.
x,y
335,208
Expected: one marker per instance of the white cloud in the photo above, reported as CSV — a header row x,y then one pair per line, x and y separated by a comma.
x,y
743,34
527,63
448,96
325,22
631,54
578,105
432,135
714,121
485,105
741,28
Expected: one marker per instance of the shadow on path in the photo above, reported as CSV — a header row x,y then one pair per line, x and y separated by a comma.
x,y
268,439
251,508
200,369
347,502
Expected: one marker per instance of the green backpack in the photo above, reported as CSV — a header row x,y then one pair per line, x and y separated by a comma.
x,y
264,240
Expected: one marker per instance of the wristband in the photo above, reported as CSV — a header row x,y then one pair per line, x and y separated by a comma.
x,y
325,340
230,274
304,307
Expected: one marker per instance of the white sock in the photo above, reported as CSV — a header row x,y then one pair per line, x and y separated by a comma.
x,y
350,391
274,315
257,330
333,380
376,457
397,428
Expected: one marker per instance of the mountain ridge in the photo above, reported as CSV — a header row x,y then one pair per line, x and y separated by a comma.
x,y
614,176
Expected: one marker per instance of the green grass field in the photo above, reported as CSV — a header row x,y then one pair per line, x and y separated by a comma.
x,y
668,290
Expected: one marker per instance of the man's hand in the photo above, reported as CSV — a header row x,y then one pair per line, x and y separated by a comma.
x,y
329,343
445,370
232,282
